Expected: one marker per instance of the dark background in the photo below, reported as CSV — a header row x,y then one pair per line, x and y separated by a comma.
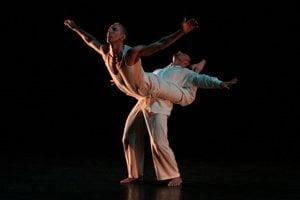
x,y
57,99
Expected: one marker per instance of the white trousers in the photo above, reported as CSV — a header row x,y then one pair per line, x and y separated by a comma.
x,y
137,124
160,88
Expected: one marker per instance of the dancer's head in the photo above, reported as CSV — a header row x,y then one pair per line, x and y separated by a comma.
x,y
116,33
181,59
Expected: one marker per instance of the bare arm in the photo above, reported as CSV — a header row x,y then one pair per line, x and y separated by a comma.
x,y
90,40
160,44
141,50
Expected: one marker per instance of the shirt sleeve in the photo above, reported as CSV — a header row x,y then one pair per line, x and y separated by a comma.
x,y
205,81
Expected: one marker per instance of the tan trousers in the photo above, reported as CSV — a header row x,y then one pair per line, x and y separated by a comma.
x,y
138,123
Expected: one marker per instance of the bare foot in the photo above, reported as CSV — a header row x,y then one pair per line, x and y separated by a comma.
x,y
175,182
130,180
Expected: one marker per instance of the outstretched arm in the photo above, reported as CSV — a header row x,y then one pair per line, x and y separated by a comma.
x,y
205,81
85,36
142,50
209,82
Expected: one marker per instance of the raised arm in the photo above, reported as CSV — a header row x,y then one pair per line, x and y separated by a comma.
x,y
90,40
147,50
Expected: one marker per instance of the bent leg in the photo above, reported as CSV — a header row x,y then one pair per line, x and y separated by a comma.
x,y
143,84
163,89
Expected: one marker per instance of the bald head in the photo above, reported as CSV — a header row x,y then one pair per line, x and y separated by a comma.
x,y
123,29
116,33
181,59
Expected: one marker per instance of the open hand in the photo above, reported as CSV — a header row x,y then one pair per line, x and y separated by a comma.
x,y
228,84
189,25
70,24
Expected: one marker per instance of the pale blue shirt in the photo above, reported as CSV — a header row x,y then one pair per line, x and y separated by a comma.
x,y
183,77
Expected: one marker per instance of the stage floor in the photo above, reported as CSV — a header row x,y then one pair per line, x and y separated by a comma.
x,y
36,177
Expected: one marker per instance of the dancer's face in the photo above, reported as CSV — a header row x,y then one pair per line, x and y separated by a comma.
x,y
181,59
116,33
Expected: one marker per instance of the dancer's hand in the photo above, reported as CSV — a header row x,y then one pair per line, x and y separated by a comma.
x,y
227,84
70,24
112,82
189,25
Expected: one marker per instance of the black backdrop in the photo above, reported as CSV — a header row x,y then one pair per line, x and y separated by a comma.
x,y
57,98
